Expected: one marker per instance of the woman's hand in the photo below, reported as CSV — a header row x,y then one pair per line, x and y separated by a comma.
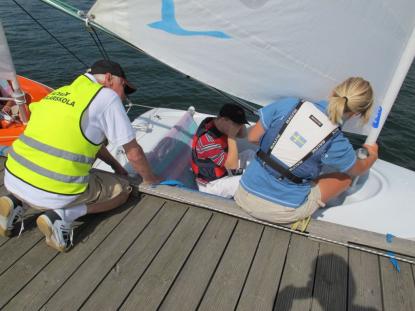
x,y
363,165
372,149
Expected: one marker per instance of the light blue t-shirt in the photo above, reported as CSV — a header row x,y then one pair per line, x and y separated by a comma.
x,y
339,156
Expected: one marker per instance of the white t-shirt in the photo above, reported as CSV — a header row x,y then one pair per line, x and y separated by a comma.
x,y
104,118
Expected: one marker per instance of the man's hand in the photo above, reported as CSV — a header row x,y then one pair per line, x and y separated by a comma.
x,y
138,160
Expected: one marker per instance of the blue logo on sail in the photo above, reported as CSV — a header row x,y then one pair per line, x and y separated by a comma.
x,y
169,24
376,121
297,139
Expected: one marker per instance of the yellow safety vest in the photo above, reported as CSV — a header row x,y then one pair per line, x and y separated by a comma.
x,y
53,153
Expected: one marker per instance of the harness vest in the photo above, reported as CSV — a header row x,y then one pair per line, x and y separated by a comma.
x,y
206,169
53,154
304,134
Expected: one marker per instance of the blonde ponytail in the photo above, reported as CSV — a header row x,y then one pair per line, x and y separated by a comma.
x,y
353,95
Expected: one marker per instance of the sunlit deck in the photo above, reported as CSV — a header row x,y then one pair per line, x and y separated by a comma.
x,y
158,254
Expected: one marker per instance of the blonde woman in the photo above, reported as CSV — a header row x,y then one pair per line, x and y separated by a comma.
x,y
297,138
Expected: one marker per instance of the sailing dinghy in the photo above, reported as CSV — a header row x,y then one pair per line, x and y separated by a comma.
x,y
259,51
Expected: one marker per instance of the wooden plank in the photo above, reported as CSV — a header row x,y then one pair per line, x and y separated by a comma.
x,y
295,290
42,287
15,278
225,288
135,261
398,288
32,263
316,227
330,284
29,224
84,281
17,246
211,202
365,291
263,279
360,237
190,285
156,281
3,240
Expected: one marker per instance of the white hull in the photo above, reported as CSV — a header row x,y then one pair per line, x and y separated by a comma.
x,y
381,202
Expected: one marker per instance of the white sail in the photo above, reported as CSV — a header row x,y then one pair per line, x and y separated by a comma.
x,y
7,71
260,50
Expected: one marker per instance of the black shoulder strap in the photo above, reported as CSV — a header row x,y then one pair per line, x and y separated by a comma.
x,y
279,168
287,173
317,147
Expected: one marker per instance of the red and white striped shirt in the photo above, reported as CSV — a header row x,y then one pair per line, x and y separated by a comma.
x,y
208,148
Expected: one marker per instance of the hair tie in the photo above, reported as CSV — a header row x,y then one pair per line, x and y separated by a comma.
x,y
346,100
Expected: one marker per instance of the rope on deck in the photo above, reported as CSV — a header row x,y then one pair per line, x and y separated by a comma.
x,y
148,190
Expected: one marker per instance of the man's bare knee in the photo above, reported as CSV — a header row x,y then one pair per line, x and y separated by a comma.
x,y
110,204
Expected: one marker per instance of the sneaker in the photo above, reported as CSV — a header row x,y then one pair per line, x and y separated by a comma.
x,y
11,212
58,233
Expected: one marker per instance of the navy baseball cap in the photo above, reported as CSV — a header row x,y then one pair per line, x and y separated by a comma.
x,y
104,66
233,112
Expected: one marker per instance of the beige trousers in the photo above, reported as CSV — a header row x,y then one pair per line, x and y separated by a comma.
x,y
276,213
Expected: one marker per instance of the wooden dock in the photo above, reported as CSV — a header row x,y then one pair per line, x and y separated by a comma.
x,y
158,254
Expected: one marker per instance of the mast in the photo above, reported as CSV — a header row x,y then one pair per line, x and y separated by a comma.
x,y
18,96
393,90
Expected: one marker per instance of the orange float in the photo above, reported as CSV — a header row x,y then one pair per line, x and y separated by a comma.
x,y
34,92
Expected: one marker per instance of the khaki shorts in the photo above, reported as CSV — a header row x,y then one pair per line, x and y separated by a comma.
x,y
102,187
276,213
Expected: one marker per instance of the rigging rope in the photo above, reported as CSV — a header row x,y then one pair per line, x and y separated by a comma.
x,y
80,15
237,100
56,39
97,41
91,32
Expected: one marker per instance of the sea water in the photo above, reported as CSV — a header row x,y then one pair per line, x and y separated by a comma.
x,y
39,57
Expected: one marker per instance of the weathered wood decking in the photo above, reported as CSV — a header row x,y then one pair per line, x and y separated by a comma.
x,y
157,254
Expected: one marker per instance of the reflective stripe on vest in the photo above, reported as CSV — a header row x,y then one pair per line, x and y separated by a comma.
x,y
54,151
304,132
45,172
53,154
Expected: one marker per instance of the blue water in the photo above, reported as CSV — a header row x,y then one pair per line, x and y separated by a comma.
x,y
38,56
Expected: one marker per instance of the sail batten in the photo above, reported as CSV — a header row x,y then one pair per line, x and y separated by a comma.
x,y
263,50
